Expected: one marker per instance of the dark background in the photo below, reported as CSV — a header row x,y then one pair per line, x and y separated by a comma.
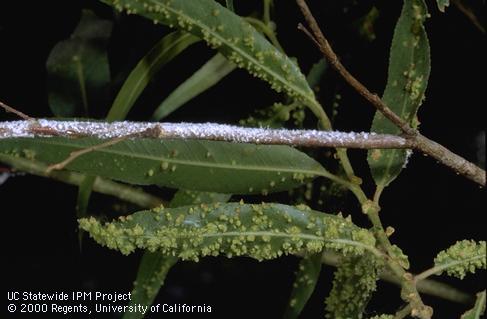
x,y
429,206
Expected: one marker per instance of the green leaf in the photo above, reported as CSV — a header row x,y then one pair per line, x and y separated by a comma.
x,y
78,73
409,69
154,266
185,197
231,35
229,4
304,284
152,272
316,73
262,231
190,164
478,309
163,52
442,4
84,193
463,257
354,282
103,186
207,76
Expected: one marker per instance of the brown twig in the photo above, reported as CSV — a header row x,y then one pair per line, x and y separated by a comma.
x,y
469,14
421,143
10,109
325,48
74,155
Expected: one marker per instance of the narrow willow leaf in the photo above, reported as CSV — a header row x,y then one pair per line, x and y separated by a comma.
x,y
78,74
207,76
231,35
442,4
463,257
316,72
229,4
354,282
304,284
262,231
154,266
152,272
190,164
163,52
123,192
478,309
409,69
84,193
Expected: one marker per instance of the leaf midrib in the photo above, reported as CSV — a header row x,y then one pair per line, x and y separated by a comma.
x,y
444,266
237,49
349,242
406,100
192,163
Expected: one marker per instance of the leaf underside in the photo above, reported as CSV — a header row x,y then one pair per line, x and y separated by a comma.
x,y
462,258
353,284
262,231
154,266
304,285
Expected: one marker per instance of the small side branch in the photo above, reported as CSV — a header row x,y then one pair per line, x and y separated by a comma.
x,y
324,46
10,109
460,165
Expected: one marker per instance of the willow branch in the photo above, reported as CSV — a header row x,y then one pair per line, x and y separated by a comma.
x,y
422,143
101,185
200,131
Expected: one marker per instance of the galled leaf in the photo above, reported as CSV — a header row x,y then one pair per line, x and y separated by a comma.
x,y
210,166
154,266
262,231
231,35
409,69
353,283
304,284
463,257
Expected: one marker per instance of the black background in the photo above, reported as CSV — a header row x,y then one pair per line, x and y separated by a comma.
x,y
429,206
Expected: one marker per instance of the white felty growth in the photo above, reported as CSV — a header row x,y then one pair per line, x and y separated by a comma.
x,y
205,131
